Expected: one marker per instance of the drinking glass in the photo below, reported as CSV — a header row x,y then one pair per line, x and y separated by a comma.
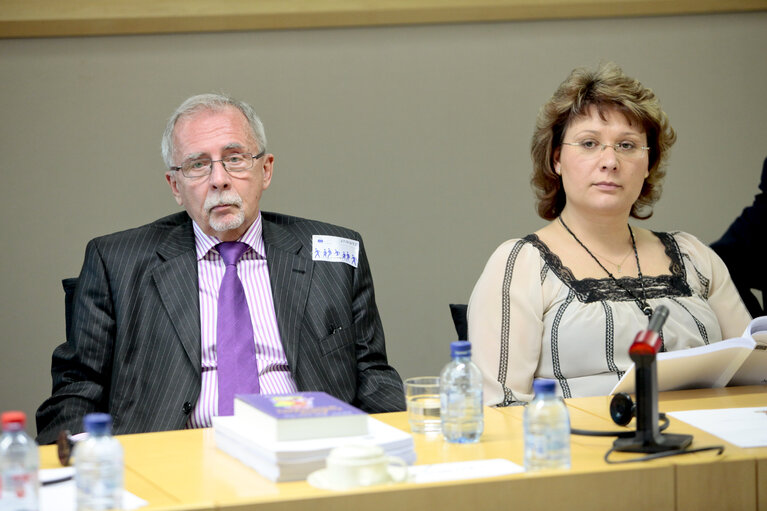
x,y
422,395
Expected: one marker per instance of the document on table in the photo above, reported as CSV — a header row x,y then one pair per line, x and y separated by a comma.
x,y
744,427
737,361
62,496
462,470
703,367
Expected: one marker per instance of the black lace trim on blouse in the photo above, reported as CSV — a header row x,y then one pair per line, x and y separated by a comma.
x,y
593,290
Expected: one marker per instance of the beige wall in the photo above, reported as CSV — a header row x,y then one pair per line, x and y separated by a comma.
x,y
415,136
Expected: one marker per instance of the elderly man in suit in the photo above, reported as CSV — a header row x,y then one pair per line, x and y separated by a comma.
x,y
151,341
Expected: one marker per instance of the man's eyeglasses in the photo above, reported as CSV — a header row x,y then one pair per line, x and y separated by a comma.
x,y
232,163
592,148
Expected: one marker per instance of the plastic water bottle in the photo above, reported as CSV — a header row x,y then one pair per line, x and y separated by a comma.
x,y
547,429
460,396
19,463
98,466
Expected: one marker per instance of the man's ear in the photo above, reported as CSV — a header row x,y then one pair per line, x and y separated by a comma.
x,y
170,177
268,170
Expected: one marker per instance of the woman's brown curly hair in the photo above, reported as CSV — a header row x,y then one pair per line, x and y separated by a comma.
x,y
605,88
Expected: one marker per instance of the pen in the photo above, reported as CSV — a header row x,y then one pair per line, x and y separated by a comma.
x,y
57,480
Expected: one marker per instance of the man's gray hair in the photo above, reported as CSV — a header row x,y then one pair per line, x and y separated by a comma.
x,y
214,102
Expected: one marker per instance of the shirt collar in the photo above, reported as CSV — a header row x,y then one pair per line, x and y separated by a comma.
x,y
253,237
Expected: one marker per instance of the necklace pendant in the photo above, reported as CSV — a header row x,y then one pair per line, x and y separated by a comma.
x,y
641,302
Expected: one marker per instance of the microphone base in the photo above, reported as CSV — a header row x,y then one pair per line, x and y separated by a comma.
x,y
660,443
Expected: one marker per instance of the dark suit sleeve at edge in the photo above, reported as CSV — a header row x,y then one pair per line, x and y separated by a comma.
x,y
743,246
80,367
379,386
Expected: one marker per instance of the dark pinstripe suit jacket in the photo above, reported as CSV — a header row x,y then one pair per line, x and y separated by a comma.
x,y
133,349
742,249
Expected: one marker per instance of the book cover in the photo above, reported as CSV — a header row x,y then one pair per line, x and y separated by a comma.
x,y
299,416
295,459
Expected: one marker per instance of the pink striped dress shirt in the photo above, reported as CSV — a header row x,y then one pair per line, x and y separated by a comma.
x,y
273,372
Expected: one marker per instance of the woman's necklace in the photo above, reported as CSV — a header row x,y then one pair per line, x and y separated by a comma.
x,y
617,265
641,302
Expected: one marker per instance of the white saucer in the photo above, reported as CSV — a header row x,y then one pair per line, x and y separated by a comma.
x,y
319,479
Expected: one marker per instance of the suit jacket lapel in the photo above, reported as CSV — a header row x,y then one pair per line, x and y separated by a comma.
x,y
177,284
290,275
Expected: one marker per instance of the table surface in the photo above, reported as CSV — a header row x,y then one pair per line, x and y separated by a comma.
x,y
183,470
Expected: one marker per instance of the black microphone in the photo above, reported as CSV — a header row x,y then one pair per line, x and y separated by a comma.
x,y
658,318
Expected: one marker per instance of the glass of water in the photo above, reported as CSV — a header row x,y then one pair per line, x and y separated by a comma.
x,y
422,394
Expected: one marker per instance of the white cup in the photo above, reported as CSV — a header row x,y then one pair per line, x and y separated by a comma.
x,y
361,464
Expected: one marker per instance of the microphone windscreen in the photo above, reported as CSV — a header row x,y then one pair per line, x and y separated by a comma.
x,y
658,318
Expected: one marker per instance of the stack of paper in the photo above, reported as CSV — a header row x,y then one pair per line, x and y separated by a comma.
x,y
736,361
294,460
754,369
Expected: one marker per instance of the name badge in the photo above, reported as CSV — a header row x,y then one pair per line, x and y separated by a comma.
x,y
333,249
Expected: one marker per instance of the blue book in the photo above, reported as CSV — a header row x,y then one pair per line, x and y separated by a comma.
x,y
299,416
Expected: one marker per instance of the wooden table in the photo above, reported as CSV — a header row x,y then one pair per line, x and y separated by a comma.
x,y
735,480
183,470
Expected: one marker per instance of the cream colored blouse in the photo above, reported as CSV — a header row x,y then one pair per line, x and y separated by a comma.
x,y
529,317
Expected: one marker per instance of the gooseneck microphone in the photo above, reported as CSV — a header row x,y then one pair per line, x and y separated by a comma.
x,y
648,342
648,437
658,319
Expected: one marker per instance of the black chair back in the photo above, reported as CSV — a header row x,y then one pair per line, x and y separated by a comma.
x,y
458,311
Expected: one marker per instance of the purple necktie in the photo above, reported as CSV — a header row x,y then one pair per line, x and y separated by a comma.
x,y
235,347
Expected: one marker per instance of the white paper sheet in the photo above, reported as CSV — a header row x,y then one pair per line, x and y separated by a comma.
x,y
63,496
744,427
463,470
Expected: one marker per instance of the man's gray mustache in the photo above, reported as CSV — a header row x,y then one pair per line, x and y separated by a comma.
x,y
232,199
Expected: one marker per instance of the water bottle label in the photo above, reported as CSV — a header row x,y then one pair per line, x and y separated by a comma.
x,y
547,448
20,489
538,445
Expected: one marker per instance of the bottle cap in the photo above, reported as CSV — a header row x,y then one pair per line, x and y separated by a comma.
x,y
544,386
460,349
97,423
13,420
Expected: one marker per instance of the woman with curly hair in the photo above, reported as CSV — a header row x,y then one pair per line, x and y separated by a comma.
x,y
566,302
